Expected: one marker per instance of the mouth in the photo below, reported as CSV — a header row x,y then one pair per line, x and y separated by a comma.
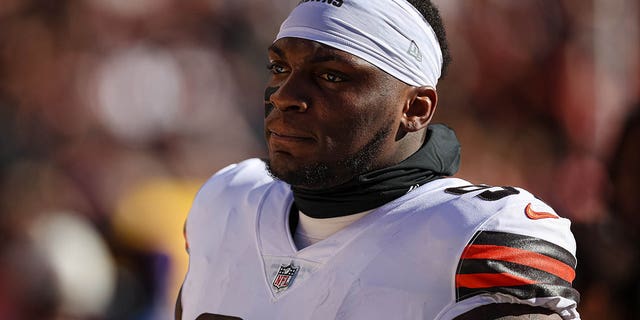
x,y
289,136
288,141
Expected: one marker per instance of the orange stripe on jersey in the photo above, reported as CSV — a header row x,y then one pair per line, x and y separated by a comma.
x,y
488,280
523,257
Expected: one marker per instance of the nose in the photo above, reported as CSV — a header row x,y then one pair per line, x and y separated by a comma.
x,y
289,96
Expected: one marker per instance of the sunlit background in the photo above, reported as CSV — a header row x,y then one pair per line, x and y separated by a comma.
x,y
114,112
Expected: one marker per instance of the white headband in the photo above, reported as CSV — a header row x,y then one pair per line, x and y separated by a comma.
x,y
390,34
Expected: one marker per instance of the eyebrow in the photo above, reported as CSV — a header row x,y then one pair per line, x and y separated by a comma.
x,y
275,49
322,57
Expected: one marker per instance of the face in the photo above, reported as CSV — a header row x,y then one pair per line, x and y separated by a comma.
x,y
330,116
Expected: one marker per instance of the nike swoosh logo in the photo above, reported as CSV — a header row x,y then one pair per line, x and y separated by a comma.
x,y
537,215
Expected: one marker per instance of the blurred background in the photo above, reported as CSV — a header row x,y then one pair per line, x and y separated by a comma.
x,y
114,112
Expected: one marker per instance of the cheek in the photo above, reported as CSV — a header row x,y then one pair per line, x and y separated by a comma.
x,y
351,132
378,113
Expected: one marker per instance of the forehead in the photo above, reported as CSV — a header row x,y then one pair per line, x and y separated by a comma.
x,y
313,51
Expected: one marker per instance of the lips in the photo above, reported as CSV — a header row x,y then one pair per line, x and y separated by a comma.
x,y
286,139
293,136
289,141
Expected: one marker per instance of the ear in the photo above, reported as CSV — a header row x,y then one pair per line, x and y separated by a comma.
x,y
419,109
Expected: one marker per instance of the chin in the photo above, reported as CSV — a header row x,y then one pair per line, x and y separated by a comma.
x,y
309,176
325,173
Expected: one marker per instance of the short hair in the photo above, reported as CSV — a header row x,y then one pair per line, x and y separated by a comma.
x,y
432,15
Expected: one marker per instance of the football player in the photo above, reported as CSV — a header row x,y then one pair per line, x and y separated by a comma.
x,y
355,215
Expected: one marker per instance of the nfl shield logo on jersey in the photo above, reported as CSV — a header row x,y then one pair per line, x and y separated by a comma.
x,y
284,277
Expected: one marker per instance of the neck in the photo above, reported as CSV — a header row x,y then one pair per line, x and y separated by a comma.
x,y
439,156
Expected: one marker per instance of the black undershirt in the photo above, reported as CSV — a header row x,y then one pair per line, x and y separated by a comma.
x,y
438,157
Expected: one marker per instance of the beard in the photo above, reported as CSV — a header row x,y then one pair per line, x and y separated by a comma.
x,y
327,174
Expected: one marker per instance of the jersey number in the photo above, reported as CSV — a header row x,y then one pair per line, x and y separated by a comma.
x,y
495,193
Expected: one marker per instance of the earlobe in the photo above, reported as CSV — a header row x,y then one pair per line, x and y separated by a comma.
x,y
419,109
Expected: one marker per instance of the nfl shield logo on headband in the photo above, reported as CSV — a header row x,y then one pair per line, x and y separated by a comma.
x,y
285,276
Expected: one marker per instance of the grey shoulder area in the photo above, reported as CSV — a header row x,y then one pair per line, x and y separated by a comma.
x,y
236,187
475,202
508,311
231,185
492,198
246,174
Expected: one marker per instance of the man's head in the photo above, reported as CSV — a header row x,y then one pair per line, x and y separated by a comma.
x,y
350,96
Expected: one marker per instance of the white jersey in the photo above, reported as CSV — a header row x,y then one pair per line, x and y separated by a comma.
x,y
439,251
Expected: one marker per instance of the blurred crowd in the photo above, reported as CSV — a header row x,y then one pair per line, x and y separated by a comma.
x,y
114,112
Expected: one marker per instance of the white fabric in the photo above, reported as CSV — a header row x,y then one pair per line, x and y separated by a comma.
x,y
311,230
564,307
390,34
397,262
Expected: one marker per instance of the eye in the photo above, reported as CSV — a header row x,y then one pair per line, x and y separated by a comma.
x,y
276,68
332,77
